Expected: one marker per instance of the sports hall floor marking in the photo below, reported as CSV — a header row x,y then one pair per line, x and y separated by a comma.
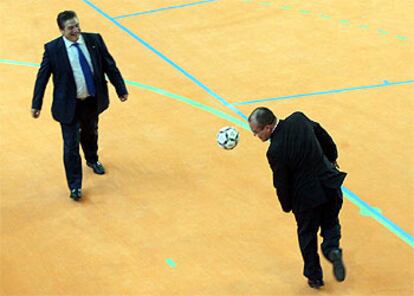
x,y
385,84
376,214
230,106
159,91
171,263
321,15
365,209
163,9
166,59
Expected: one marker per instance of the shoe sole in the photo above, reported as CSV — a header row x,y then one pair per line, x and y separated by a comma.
x,y
316,286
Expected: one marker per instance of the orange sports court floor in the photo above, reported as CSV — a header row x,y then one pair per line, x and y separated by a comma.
x,y
175,214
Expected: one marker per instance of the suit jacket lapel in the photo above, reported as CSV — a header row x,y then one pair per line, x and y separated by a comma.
x,y
63,56
92,48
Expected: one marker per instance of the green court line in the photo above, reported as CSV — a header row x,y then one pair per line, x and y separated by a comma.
x,y
160,91
382,32
266,3
327,17
190,102
401,37
171,263
303,11
366,209
12,62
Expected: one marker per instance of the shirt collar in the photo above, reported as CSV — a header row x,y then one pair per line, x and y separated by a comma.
x,y
276,124
274,129
69,43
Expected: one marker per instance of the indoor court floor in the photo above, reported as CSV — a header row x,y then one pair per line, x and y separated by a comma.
x,y
175,214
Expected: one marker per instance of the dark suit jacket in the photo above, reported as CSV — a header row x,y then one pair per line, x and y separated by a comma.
x,y
301,156
55,61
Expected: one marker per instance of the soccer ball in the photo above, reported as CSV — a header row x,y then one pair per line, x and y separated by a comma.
x,y
228,137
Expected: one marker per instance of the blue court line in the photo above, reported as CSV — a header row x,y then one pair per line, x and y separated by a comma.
x,y
162,56
386,83
348,193
163,9
406,237
227,104
162,92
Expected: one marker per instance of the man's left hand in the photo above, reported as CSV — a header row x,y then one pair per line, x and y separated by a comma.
x,y
124,97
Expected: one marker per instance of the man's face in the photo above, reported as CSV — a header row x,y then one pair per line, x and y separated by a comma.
x,y
262,132
71,29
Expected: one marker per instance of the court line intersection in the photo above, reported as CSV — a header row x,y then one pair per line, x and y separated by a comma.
x,y
365,208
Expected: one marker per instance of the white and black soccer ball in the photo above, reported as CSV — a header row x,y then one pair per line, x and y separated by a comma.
x,y
228,137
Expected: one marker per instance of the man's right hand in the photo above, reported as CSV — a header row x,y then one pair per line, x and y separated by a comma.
x,y
35,113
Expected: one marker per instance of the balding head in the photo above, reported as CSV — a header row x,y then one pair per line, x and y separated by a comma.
x,y
262,122
262,116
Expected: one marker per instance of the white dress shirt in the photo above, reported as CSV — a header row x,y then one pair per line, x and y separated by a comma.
x,y
73,55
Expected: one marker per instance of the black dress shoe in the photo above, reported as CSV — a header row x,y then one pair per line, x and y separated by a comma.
x,y
76,194
335,256
316,284
97,167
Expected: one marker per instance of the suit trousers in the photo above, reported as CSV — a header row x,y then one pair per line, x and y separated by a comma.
x,y
308,222
84,130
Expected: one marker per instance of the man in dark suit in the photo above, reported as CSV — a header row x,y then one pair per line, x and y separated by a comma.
x,y
302,156
78,62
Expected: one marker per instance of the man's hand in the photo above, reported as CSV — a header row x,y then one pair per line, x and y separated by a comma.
x,y
124,97
35,113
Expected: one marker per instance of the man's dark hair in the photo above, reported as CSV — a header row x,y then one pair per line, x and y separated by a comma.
x,y
64,16
262,116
